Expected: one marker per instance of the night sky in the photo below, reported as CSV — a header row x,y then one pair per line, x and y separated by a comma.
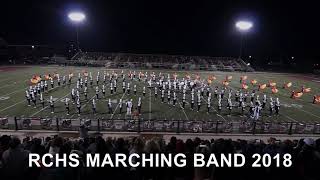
x,y
281,28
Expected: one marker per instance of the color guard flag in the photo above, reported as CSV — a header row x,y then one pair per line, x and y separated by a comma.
x,y
46,77
316,99
253,82
243,78
262,86
225,83
287,85
175,76
35,79
306,90
244,86
274,90
272,84
56,75
229,78
211,77
70,74
297,94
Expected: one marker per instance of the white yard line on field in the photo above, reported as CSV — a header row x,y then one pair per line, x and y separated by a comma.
x,y
214,110
19,102
308,112
11,84
12,105
47,106
184,112
15,92
149,104
4,80
117,106
289,118
85,104
6,86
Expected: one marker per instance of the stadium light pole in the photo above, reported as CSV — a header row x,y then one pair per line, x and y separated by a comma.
x,y
77,18
243,27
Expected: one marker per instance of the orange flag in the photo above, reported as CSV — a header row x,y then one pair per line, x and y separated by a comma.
x,y
297,94
34,81
244,86
272,84
316,99
306,90
228,78
225,83
287,85
253,82
46,77
262,86
175,76
243,78
56,75
85,73
211,77
274,90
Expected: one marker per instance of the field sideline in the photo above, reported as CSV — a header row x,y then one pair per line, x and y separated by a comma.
x,y
15,80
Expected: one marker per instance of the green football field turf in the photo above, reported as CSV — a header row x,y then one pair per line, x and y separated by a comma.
x,y
15,80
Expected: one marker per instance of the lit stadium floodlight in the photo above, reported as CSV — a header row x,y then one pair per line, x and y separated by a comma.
x,y
76,16
244,25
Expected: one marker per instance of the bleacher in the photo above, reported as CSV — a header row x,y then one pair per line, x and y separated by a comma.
x,y
154,61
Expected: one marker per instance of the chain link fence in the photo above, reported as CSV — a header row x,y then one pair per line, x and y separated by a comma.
x,y
173,126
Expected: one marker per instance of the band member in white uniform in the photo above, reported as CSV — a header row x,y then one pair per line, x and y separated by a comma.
x,y
94,106
66,103
110,106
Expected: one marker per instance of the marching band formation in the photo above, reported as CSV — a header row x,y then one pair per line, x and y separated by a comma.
x,y
183,92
